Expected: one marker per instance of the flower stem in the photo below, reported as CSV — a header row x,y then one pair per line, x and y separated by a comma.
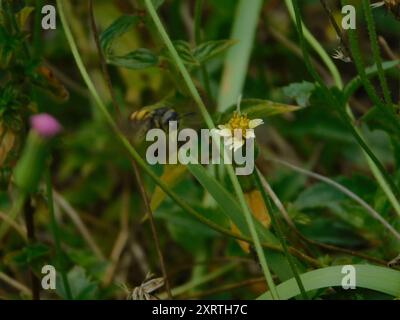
x,y
280,234
207,118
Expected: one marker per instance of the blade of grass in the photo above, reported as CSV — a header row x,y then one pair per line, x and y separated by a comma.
x,y
237,60
380,279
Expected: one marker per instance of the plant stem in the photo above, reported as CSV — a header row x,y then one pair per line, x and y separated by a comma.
x,y
30,229
149,212
103,63
376,51
56,234
15,210
210,124
134,155
375,215
333,101
318,48
278,228
338,81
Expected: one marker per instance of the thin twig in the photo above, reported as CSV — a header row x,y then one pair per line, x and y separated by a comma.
x,y
149,213
74,216
121,240
339,32
15,284
21,230
284,213
56,234
135,167
344,190
30,228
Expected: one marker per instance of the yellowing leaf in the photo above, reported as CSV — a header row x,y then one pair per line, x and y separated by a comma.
x,y
257,108
7,141
259,210
23,16
173,174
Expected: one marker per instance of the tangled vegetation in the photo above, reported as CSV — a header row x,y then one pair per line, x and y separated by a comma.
x,y
79,197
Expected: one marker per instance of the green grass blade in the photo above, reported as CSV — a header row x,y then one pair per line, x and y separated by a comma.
x,y
380,279
237,60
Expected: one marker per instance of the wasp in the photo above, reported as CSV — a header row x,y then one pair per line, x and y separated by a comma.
x,y
392,5
157,116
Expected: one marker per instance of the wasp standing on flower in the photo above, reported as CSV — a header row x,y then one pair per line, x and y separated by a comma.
x,y
392,5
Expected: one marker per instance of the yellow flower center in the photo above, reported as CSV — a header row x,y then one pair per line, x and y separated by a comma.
x,y
239,121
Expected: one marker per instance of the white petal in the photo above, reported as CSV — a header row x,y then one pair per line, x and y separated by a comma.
x,y
237,144
222,126
250,134
229,141
255,123
224,132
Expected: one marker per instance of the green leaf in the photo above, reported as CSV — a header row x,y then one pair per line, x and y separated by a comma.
x,y
372,71
233,211
23,16
116,30
318,196
32,253
227,202
82,287
185,52
300,92
257,108
380,279
136,60
210,49
378,120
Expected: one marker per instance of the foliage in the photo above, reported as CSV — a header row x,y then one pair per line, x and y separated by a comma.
x,y
90,215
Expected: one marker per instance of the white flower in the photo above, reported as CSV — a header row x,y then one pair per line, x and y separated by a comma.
x,y
238,129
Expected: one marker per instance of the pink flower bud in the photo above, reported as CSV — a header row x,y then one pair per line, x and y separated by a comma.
x,y
45,125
